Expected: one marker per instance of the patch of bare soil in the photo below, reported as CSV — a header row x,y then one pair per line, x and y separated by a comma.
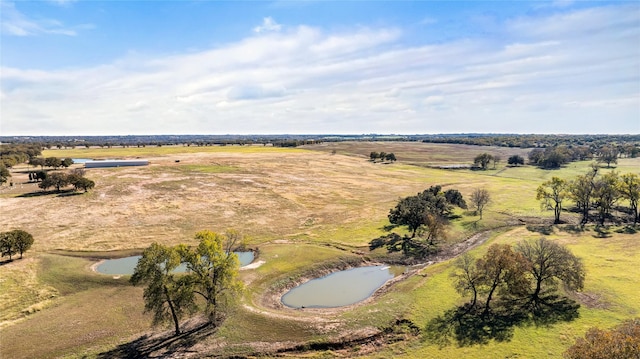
x,y
591,300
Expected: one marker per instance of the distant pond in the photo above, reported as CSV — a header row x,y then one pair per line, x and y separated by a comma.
x,y
81,160
340,288
126,266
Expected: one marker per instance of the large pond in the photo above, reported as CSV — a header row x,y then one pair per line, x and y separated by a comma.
x,y
126,266
340,288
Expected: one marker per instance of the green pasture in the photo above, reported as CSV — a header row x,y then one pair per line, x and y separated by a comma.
x,y
612,286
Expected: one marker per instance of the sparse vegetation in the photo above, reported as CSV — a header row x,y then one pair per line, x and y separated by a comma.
x,y
304,221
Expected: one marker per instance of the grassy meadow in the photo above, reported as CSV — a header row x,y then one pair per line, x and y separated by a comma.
x,y
306,211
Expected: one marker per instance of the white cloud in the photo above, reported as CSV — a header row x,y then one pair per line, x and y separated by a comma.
x,y
268,24
15,23
308,80
62,2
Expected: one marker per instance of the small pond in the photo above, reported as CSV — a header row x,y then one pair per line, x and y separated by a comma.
x,y
340,288
126,266
81,160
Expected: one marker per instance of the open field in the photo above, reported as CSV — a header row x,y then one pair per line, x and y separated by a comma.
x,y
305,211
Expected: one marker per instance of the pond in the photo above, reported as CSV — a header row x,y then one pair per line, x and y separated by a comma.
x,y
126,266
340,288
81,160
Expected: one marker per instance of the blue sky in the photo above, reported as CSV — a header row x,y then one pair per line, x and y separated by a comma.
x,y
345,67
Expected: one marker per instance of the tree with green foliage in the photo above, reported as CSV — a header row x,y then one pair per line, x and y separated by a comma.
x,y
374,156
552,193
581,192
66,162
629,188
54,162
169,296
39,175
515,160
55,179
605,194
412,211
4,174
390,157
22,240
550,262
425,216
454,197
214,271
621,342
83,183
37,161
7,245
482,160
480,198
608,155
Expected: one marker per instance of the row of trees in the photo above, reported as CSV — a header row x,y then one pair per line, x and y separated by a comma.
x,y
13,154
382,156
60,179
53,162
14,242
553,157
212,277
592,191
627,145
556,156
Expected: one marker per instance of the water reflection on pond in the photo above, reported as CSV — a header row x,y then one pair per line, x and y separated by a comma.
x,y
340,288
126,266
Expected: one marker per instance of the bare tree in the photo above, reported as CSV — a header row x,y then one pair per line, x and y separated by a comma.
x,y
480,198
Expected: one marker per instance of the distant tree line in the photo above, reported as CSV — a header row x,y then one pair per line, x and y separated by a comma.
x,y
627,144
14,242
555,156
66,142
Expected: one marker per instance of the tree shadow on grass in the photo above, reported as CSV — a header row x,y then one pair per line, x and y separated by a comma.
x,y
542,229
61,193
572,228
469,326
602,232
165,345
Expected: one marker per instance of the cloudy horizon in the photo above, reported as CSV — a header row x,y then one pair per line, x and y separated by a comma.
x,y
144,68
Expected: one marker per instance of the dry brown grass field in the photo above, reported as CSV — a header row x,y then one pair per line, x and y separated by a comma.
x,y
301,208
